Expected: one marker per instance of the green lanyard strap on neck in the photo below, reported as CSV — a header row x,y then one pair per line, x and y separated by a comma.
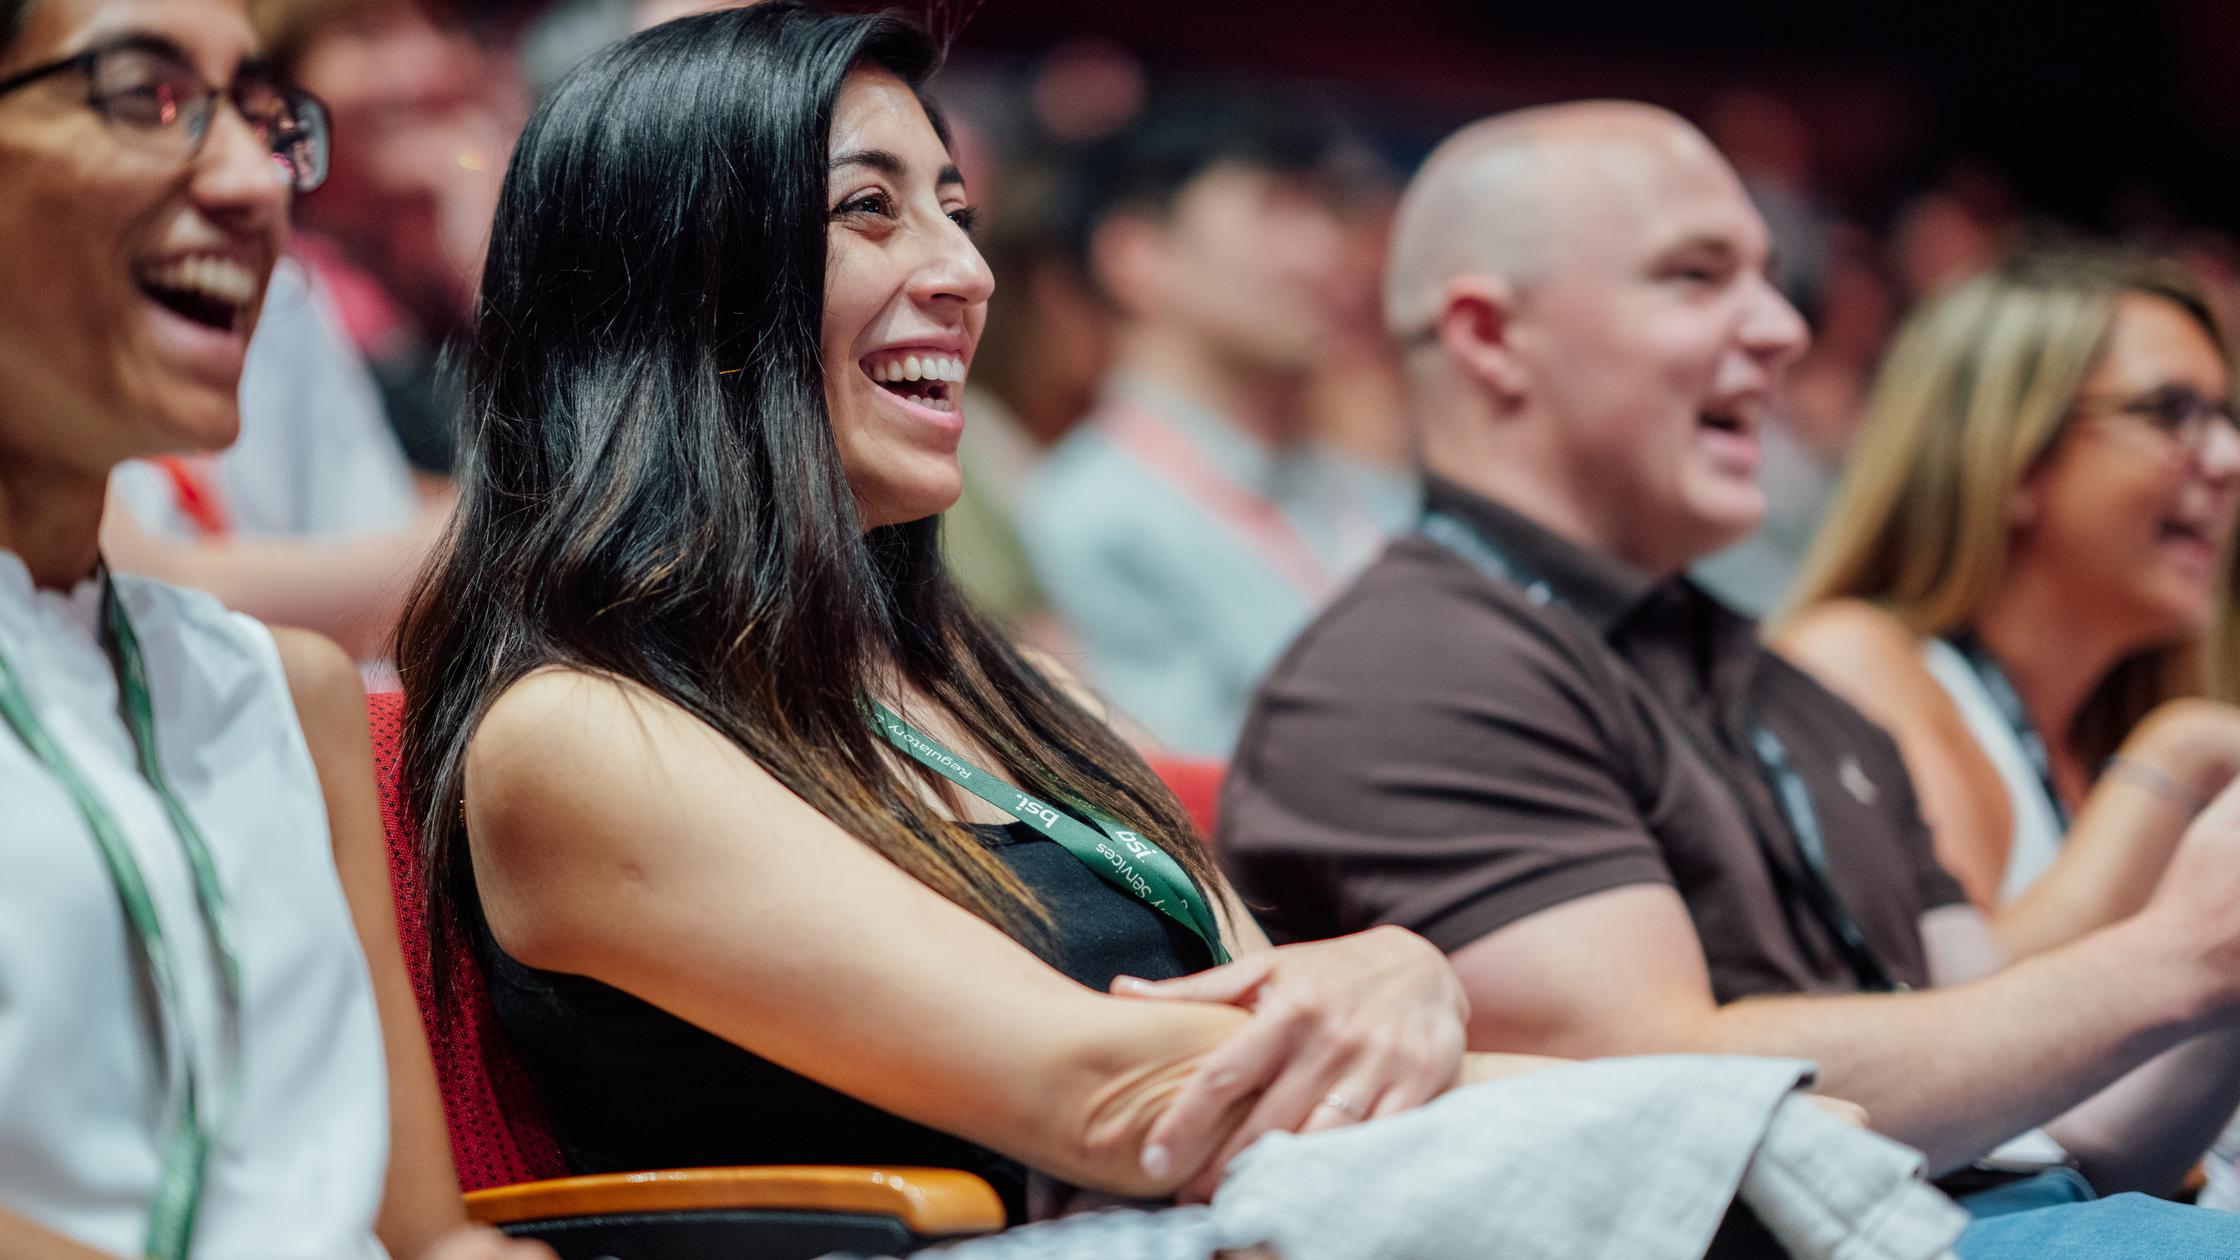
x,y
179,1183
1119,856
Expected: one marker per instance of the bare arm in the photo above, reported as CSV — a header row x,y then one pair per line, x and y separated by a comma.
x,y
20,1239
420,1202
1953,1071
1374,1019
349,589
2128,828
1873,660
619,838
2123,836
2147,1129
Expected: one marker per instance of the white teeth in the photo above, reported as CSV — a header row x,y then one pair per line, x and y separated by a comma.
x,y
219,278
915,367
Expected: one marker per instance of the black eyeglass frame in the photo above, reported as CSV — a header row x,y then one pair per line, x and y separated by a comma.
x,y
2159,410
300,103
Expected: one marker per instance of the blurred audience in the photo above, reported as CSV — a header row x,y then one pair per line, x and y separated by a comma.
x,y
310,519
1190,525
1036,370
1525,735
397,235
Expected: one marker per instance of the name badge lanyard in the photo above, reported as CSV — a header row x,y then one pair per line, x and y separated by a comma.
x,y
1121,857
171,1216
1258,523
1790,792
2008,701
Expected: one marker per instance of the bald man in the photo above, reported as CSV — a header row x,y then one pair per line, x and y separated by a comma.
x,y
1524,734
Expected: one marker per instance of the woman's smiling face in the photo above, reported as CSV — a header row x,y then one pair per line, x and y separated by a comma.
x,y
906,295
133,272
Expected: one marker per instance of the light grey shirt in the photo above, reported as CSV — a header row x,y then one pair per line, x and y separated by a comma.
x,y
1186,554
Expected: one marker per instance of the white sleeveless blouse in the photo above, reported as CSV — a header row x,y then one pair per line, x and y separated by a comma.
x,y
86,1106
2036,838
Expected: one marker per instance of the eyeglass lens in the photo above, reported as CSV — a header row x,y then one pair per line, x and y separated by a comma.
x,y
2184,414
154,94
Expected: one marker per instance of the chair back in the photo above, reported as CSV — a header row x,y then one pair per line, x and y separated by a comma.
x,y
499,1133
1196,782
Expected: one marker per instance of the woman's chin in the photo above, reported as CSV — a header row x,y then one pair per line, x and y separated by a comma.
x,y
900,505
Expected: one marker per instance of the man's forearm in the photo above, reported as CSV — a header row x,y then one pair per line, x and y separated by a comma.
x,y
2148,1129
1957,1071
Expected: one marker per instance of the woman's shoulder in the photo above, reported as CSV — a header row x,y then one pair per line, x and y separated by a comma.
x,y
561,721
601,758
1858,650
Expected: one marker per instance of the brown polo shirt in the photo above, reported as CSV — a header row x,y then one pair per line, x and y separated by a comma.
x,y
1443,751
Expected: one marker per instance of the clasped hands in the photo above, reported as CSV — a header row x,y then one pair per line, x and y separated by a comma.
x,y
1343,1031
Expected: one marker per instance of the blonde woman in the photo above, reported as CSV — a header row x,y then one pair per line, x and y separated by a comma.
x,y
2027,577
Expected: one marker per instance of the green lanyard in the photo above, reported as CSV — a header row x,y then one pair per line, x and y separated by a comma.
x,y
179,1184
1124,859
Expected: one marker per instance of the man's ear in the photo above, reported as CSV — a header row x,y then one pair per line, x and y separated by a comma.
x,y
1127,252
1474,329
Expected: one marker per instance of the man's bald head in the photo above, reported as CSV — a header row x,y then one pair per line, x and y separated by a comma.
x,y
1593,338
1501,198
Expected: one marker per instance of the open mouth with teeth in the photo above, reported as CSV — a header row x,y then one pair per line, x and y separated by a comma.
x,y
1723,422
213,292
932,381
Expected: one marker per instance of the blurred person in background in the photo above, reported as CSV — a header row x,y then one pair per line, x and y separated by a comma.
x,y
396,237
1035,372
1189,527
1354,404
312,518
208,1044
1950,231
2028,579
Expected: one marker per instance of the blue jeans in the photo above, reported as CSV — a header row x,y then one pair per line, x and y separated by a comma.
x,y
2055,1217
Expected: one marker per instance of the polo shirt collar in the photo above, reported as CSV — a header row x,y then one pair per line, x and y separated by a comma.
x,y
1604,592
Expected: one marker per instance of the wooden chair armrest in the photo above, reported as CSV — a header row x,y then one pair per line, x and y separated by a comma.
x,y
929,1202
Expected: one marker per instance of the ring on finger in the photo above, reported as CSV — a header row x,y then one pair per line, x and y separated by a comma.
x,y
1342,1103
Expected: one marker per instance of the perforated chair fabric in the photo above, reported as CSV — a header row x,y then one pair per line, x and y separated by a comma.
x,y
499,1134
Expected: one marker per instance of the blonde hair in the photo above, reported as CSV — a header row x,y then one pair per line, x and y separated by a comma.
x,y
1976,389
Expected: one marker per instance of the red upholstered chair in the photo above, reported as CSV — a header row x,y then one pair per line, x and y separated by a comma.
x,y
1197,783
511,1168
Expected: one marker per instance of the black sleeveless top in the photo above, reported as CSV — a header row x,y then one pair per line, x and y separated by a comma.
x,y
629,1086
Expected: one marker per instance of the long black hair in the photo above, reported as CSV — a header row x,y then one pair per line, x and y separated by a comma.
x,y
650,488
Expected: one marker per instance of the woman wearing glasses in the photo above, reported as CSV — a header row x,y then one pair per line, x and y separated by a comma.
x,y
2027,576
192,1043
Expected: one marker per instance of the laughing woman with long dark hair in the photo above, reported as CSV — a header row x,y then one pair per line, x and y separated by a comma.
x,y
773,850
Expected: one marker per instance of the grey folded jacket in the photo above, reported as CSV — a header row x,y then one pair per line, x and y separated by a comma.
x,y
1621,1158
